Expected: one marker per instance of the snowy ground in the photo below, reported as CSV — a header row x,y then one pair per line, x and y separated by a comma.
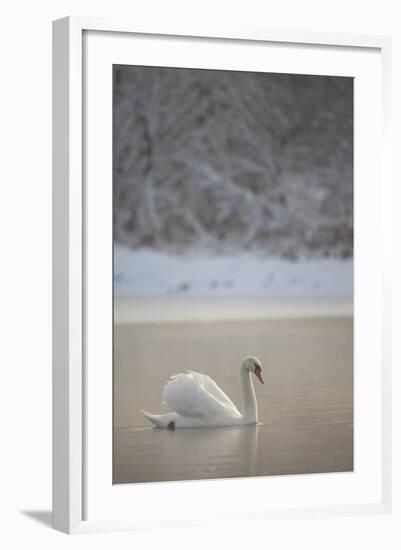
x,y
146,272
151,285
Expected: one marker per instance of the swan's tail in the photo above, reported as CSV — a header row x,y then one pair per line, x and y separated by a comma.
x,y
160,420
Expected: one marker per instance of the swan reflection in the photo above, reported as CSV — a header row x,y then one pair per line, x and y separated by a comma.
x,y
212,452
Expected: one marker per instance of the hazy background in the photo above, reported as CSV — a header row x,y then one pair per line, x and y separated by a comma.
x,y
215,171
227,160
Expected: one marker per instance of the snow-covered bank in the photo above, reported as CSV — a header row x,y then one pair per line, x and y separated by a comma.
x,y
148,273
155,286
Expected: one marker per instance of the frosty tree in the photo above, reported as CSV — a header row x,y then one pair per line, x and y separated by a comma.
x,y
223,161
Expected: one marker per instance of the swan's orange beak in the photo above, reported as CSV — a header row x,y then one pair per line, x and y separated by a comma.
x,y
260,377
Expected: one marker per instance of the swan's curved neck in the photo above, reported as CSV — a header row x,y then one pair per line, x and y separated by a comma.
x,y
250,408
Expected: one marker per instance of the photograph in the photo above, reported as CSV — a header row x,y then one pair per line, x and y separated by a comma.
x,y
233,245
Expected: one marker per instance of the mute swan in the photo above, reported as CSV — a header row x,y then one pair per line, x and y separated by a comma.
x,y
198,402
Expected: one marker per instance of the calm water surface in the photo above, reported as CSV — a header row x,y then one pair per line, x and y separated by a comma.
x,y
305,405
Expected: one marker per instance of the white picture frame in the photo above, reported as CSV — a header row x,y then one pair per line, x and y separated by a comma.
x,y
71,309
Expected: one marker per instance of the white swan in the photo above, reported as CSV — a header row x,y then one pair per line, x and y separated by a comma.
x,y
198,402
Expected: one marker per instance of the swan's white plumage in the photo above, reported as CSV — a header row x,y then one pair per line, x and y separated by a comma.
x,y
193,394
198,402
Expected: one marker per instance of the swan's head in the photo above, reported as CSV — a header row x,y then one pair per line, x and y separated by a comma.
x,y
252,364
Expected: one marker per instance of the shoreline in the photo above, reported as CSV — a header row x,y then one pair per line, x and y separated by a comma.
x,y
205,308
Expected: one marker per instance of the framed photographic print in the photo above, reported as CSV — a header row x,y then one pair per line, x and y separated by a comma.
x,y
217,341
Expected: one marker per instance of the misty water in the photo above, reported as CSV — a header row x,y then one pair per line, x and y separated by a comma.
x,y
305,406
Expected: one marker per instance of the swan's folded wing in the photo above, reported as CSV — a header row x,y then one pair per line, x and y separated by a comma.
x,y
213,389
185,393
